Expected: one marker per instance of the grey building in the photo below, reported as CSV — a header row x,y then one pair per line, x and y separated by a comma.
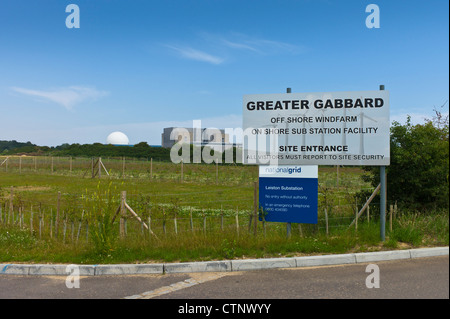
x,y
213,138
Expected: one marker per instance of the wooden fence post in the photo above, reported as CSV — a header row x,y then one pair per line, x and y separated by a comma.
x,y
255,207
123,166
391,212
164,222
175,224
237,222
51,223
221,218
40,226
149,226
58,206
123,198
191,222
182,170
92,167
31,220
217,171
11,205
99,167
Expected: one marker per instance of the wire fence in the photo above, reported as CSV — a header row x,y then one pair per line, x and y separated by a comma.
x,y
227,207
153,169
70,218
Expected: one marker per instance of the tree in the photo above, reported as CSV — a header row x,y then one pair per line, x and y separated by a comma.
x,y
418,175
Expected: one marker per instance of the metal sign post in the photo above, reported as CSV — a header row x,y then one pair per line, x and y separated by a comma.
x,y
382,197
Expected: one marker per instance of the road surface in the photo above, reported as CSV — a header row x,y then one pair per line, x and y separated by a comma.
x,y
419,278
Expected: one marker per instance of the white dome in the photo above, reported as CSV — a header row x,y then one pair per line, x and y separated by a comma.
x,y
117,138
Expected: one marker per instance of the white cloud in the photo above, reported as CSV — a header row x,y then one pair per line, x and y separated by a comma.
x,y
193,54
262,46
243,42
232,43
67,97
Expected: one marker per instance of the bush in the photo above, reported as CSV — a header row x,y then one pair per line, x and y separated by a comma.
x,y
418,176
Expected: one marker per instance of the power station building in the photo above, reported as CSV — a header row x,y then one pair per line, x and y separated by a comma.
x,y
214,138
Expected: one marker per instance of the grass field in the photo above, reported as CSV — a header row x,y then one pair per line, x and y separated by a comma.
x,y
196,212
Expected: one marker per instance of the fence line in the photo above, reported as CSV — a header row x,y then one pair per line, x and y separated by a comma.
x,y
148,168
55,223
59,215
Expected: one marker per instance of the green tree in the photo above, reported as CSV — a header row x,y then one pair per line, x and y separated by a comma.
x,y
418,176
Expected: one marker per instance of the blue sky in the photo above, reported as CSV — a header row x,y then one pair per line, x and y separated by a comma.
x,y
138,66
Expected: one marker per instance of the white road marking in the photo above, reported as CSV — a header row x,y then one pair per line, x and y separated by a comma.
x,y
194,280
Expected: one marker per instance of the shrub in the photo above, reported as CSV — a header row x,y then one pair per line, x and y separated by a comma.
x,y
418,176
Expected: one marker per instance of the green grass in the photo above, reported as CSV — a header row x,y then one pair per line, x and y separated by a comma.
x,y
202,200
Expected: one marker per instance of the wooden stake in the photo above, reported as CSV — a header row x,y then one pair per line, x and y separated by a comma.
x,y
337,176
182,170
31,220
79,226
367,203
149,226
237,222
58,206
391,212
221,218
64,230
99,167
175,224
51,223
204,223
123,166
11,206
122,213
217,172
255,207
40,227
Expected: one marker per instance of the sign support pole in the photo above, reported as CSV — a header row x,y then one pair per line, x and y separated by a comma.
x,y
382,197
288,225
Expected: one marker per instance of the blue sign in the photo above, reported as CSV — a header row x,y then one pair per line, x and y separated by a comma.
x,y
289,194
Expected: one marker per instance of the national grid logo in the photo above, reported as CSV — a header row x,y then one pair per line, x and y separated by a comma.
x,y
283,170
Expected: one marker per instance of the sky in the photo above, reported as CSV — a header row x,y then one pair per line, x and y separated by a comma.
x,y
139,66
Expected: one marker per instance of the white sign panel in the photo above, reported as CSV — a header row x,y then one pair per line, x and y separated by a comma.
x,y
338,128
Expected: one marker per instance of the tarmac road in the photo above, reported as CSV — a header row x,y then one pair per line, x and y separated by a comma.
x,y
419,278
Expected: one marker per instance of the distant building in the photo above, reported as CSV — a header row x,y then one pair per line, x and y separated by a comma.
x,y
213,138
